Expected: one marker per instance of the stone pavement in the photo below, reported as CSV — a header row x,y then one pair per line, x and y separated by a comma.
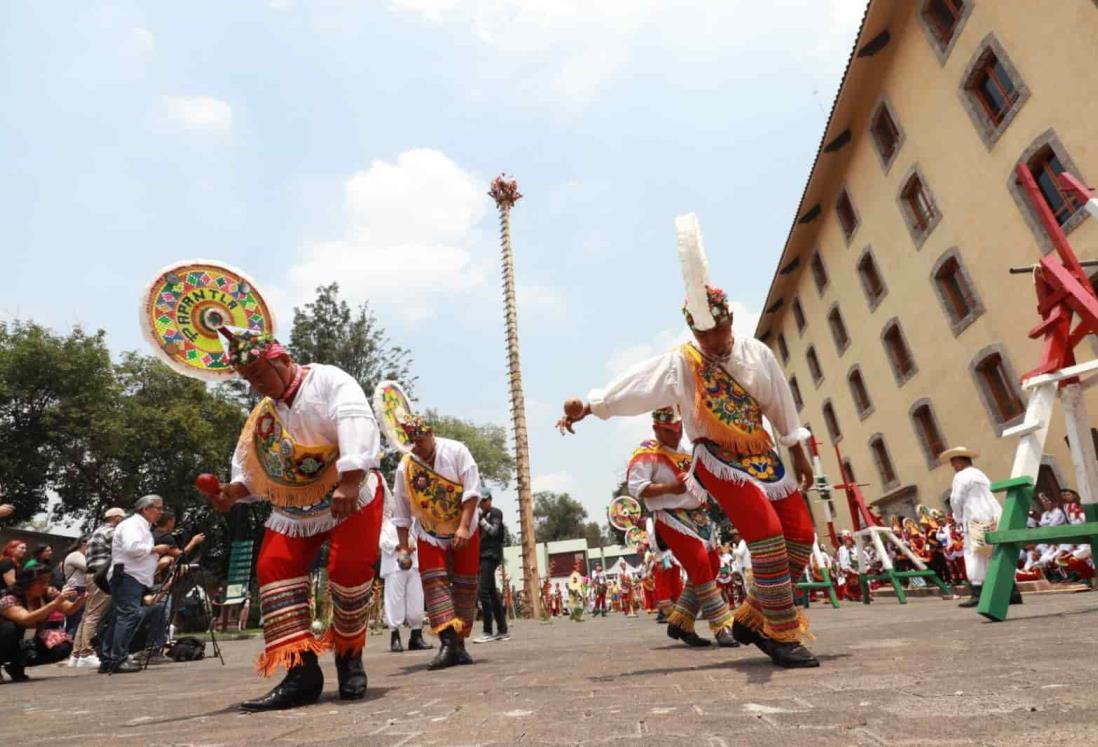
x,y
926,673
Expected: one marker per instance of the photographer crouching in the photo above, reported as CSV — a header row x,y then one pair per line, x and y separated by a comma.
x,y
134,560
29,603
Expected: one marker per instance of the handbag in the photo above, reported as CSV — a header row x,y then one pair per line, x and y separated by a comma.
x,y
977,535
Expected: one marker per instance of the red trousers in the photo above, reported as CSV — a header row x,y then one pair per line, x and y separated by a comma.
x,y
668,585
283,574
780,535
649,598
701,594
450,584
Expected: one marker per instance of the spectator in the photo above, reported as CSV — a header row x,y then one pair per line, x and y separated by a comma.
x,y
11,561
41,556
162,533
97,557
6,510
74,568
134,558
29,604
491,555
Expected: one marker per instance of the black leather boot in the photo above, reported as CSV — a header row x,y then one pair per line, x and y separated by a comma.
x,y
788,655
690,638
725,639
744,634
394,642
302,685
974,599
417,643
1015,595
661,618
447,655
352,676
463,655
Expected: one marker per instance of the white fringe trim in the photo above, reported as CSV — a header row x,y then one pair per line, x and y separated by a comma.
x,y
443,544
774,491
322,521
672,523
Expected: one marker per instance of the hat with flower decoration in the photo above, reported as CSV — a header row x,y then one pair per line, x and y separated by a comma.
x,y
706,306
246,347
416,427
666,416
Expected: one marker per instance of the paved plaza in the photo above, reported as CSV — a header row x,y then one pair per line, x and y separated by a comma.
x,y
926,673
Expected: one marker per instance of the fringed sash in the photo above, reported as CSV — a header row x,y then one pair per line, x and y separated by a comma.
x,y
287,473
653,450
724,412
435,500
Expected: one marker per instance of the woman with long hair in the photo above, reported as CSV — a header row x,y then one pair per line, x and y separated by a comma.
x,y
11,560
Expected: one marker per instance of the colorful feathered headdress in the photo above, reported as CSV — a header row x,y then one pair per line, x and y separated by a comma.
x,y
705,306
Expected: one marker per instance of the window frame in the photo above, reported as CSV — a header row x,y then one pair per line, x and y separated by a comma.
x,y
918,226
816,261
988,399
930,452
886,483
811,355
967,289
883,106
868,410
831,423
873,301
844,198
988,124
800,321
795,390
902,377
1051,140
943,48
832,313
783,348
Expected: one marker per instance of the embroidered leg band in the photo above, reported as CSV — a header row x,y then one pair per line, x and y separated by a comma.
x,y
438,601
286,625
350,605
769,607
713,606
465,601
686,609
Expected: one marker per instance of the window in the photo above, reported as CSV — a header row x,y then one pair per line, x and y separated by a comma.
x,y
1046,169
862,403
838,329
920,213
930,435
796,390
1048,482
943,18
798,315
883,461
886,135
955,291
992,91
998,388
849,468
847,217
783,349
831,422
899,355
819,273
814,365
872,283
993,88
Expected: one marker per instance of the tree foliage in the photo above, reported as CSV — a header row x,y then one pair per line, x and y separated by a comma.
x,y
559,516
487,442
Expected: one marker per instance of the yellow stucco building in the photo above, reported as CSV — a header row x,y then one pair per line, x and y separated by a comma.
x,y
891,308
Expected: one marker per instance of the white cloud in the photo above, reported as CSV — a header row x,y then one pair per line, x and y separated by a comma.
x,y
199,113
543,300
139,42
432,10
279,4
554,482
414,226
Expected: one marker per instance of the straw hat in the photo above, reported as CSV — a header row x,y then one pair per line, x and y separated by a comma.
x,y
958,451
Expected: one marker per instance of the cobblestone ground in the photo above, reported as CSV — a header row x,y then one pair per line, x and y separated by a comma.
x,y
926,673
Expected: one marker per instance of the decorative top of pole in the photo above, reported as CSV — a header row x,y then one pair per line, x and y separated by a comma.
x,y
505,192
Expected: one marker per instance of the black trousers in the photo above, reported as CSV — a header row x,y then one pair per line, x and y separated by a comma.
x,y
488,595
19,653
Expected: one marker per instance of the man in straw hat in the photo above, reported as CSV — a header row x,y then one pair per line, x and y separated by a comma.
x,y
437,484
656,475
723,386
311,449
977,512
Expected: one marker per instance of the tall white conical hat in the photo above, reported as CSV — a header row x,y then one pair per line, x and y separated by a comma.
x,y
695,271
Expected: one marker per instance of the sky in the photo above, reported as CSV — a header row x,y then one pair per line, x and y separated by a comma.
x,y
356,141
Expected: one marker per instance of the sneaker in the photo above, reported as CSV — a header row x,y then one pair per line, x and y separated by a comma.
x,y
504,636
69,662
486,638
91,661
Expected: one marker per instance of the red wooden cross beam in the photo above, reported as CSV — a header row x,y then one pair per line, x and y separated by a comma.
x,y
1063,290
860,515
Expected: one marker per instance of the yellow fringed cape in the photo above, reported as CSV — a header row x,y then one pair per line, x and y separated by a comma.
x,y
435,501
724,412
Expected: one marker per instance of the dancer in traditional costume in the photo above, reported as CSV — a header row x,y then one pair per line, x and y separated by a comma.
x,y
657,475
598,582
403,589
723,386
437,484
310,448
848,583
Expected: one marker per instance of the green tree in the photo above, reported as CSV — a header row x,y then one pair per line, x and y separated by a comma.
x,y
487,442
327,330
52,389
558,516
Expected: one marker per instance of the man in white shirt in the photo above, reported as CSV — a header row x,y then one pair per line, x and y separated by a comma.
x,y
438,485
311,449
134,557
977,512
723,386
403,589
656,476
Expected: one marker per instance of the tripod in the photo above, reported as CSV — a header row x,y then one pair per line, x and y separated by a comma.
x,y
176,575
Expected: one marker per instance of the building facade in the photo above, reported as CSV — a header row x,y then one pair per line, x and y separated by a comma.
x,y
891,309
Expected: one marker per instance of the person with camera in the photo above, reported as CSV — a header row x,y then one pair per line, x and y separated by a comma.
x,y
28,604
134,559
491,555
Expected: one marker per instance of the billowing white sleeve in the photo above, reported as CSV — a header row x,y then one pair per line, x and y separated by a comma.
x,y
359,439
238,474
470,476
957,498
648,386
388,540
640,477
781,410
402,512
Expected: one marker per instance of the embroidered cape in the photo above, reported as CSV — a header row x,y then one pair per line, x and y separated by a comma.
x,y
725,412
289,474
435,501
651,449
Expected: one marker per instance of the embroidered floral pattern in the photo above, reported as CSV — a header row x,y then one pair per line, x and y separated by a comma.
x,y
434,500
289,474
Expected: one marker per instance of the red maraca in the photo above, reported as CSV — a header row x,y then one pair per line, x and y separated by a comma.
x,y
208,484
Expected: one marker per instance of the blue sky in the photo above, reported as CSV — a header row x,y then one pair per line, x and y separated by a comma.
x,y
310,142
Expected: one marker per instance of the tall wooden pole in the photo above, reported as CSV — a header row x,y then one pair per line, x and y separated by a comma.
x,y
505,193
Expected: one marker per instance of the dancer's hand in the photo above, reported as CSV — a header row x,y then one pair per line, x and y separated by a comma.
x,y
228,495
575,410
802,468
345,496
461,537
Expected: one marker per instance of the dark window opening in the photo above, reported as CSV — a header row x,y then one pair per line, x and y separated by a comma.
x,y
831,422
1003,396
783,349
993,88
847,219
838,329
898,353
795,389
814,365
849,470
954,289
798,315
943,17
884,463
871,278
929,434
819,273
885,133
917,202
859,392
1046,169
